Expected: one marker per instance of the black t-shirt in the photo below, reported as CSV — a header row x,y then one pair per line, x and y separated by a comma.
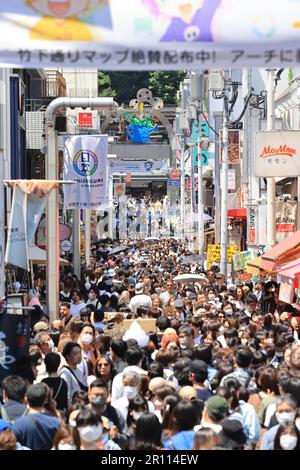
x,y
60,392
111,414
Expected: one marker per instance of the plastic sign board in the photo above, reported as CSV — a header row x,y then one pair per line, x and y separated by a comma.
x,y
214,253
85,120
66,246
277,153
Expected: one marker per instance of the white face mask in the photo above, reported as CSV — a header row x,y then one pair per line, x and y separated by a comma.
x,y
297,423
72,423
87,338
66,447
244,341
90,433
228,311
286,417
87,285
211,296
279,354
50,344
130,392
137,414
183,343
288,442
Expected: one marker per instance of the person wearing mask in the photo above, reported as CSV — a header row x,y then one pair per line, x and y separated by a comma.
x,y
56,383
45,343
278,358
286,409
70,372
196,325
98,399
64,440
186,337
215,410
86,342
37,429
132,385
89,432
287,437
93,298
13,395
77,303
134,359
140,299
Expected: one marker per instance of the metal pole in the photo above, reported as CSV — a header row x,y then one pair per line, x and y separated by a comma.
x,y
111,206
182,190
76,242
52,228
87,230
271,193
224,178
200,194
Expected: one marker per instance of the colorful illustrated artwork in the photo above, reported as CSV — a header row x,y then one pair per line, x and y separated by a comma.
x,y
62,20
191,20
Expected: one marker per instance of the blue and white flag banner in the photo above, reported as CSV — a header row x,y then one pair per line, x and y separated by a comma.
x,y
149,34
86,163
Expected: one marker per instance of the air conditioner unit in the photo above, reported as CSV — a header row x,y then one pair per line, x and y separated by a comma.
x,y
215,80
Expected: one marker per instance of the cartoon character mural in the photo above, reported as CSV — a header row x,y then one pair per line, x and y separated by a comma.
x,y
62,19
191,20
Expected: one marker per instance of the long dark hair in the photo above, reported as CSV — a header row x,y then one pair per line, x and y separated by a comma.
x,y
148,433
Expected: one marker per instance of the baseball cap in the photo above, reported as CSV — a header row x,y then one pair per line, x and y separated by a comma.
x,y
187,392
4,425
217,407
111,273
139,288
41,326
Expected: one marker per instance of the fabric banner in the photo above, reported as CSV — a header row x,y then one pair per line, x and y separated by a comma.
x,y
86,163
28,204
286,291
14,341
138,166
151,34
286,216
2,226
17,245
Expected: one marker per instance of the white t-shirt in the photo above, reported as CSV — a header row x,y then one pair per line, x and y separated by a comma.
x,y
75,309
72,383
164,297
140,300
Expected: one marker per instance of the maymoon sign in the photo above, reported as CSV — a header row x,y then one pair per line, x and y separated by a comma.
x,y
277,153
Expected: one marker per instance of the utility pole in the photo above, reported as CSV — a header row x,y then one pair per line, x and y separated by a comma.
x,y
200,194
76,238
182,189
224,177
271,193
87,241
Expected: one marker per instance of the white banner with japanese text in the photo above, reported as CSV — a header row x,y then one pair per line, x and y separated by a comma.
x,y
86,163
150,35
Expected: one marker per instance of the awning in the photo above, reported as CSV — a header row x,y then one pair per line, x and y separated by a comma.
x,y
237,213
284,252
291,270
39,256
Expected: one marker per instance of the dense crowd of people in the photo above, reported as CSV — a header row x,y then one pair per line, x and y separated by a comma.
x,y
138,359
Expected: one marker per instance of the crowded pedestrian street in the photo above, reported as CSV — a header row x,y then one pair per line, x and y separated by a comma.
x,y
149,231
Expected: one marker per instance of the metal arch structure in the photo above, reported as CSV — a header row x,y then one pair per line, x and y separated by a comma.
x,y
143,97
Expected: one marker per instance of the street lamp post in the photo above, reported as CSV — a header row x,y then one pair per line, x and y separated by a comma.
x,y
271,225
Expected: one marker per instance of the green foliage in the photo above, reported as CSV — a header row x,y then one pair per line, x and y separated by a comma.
x,y
166,84
123,86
